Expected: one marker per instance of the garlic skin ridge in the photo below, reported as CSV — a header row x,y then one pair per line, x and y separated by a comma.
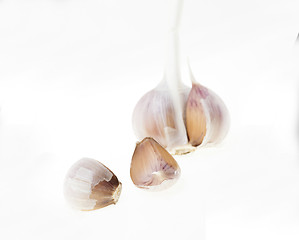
x,y
152,167
90,185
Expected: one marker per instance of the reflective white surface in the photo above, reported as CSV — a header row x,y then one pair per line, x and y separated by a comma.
x,y
71,73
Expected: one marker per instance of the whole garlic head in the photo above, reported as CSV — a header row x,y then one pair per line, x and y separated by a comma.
x,y
164,113
182,121
90,185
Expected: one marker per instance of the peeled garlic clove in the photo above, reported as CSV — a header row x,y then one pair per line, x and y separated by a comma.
x,y
207,118
90,185
156,115
152,167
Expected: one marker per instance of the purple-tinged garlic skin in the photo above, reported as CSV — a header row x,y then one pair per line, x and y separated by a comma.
x,y
90,185
155,116
152,167
207,118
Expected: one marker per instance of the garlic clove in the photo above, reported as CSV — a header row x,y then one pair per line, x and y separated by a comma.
x,y
207,118
152,167
90,185
195,118
156,116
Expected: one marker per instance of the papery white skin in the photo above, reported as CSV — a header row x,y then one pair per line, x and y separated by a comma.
x,y
217,127
161,113
81,180
215,111
217,116
154,116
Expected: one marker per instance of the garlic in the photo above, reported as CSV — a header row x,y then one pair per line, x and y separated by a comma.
x,y
90,185
155,116
179,119
152,167
207,118
160,113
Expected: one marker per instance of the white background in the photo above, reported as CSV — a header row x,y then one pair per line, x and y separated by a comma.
x,y
71,72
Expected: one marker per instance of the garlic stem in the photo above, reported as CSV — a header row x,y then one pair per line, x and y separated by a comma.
x,y
176,7
172,68
172,65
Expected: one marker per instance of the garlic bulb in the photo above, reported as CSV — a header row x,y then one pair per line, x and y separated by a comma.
x,y
90,185
179,119
160,113
152,167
